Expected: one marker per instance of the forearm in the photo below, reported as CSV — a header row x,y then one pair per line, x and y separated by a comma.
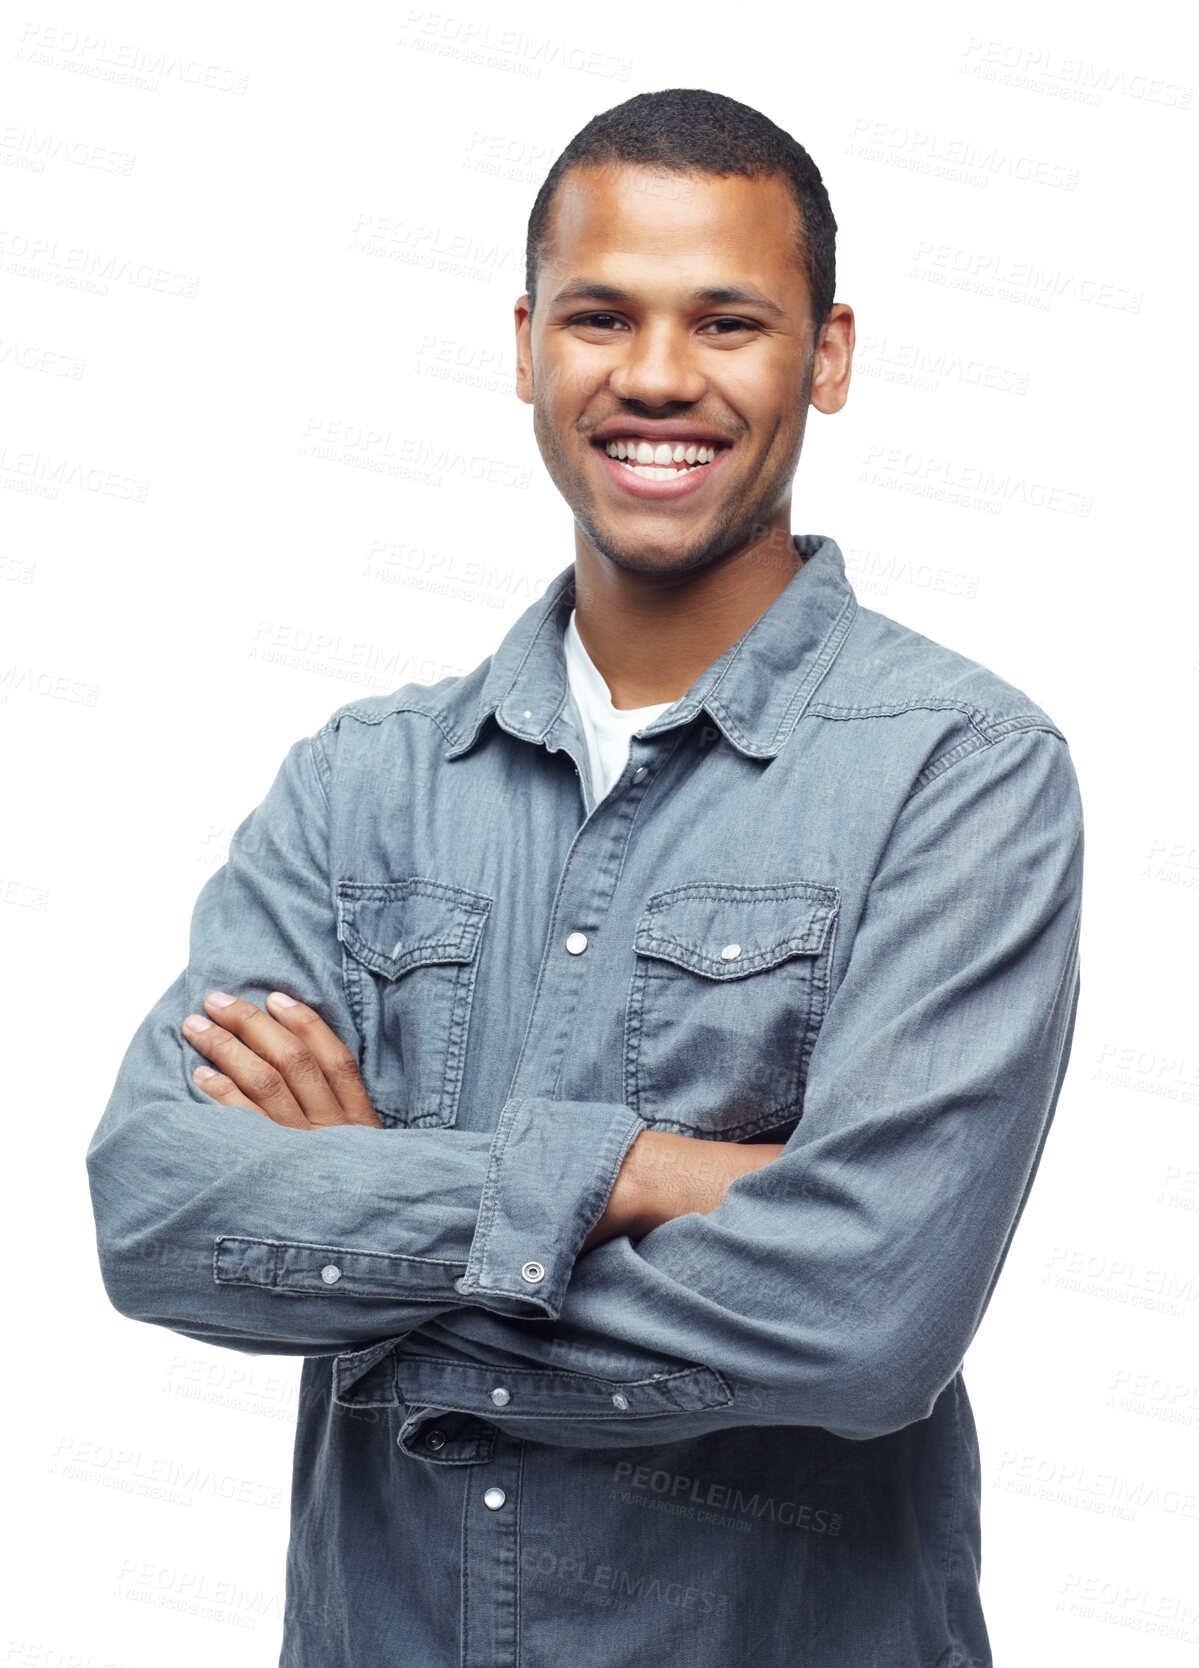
x,y
666,1175
222,1224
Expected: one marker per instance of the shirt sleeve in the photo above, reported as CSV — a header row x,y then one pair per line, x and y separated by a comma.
x,y
840,1285
233,1230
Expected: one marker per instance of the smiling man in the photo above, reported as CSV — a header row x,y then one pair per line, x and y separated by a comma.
x,y
627,1063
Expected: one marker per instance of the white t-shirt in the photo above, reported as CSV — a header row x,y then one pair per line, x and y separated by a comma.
x,y
606,728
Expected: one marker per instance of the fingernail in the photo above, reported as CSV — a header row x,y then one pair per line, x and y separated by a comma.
x,y
283,1000
204,1071
219,999
196,1022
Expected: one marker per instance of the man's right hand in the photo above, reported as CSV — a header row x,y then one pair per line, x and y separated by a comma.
x,y
666,1175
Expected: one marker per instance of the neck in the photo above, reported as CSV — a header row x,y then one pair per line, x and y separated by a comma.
x,y
651,635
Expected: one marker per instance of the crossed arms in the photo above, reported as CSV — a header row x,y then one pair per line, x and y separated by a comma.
x,y
837,1280
288,1065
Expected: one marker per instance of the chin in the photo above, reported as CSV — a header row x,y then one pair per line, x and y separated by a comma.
x,y
650,557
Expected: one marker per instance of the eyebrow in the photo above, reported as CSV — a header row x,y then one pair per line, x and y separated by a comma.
x,y
590,289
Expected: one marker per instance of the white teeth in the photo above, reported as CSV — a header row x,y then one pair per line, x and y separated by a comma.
x,y
664,455
654,472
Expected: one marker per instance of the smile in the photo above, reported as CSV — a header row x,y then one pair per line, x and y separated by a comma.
x,y
659,469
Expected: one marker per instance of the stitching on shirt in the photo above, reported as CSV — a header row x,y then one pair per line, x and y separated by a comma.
x,y
555,915
833,643
521,1496
489,1200
548,614
964,749
278,1245
406,705
471,910
537,1374
784,950
640,799
663,1381
973,715
318,757
465,1588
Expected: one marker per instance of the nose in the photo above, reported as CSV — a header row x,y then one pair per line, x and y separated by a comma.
x,y
659,367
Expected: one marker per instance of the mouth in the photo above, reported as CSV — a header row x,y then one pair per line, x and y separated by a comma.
x,y
665,469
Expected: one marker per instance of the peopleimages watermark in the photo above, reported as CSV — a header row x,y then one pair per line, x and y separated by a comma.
x,y
79,268
27,149
42,475
160,1476
473,40
29,356
954,157
126,62
991,273
721,1502
1041,70
360,446
972,484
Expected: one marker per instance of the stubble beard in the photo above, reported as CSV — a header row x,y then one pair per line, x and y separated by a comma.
x,y
731,526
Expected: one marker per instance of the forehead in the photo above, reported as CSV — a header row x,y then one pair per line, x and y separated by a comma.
x,y
650,225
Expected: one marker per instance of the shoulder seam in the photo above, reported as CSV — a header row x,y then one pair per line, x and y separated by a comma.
x,y
967,748
377,718
895,709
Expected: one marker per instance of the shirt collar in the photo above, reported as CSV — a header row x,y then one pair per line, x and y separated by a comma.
x,y
756,691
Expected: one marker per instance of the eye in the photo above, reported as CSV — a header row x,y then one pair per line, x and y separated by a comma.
x,y
595,320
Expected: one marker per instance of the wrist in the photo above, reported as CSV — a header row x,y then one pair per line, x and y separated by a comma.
x,y
671,1175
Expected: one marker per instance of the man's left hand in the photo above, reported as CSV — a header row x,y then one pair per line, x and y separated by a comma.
x,y
287,1064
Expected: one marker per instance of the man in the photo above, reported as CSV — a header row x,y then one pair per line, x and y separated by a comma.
x,y
679,1002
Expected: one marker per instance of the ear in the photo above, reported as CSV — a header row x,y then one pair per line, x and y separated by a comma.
x,y
834,360
524,349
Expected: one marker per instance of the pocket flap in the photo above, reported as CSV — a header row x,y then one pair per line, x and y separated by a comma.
x,y
395,925
725,931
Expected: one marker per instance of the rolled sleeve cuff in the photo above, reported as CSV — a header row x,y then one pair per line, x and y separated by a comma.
x,y
553,1164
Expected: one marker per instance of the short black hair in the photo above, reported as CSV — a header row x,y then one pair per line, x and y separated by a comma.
x,y
688,130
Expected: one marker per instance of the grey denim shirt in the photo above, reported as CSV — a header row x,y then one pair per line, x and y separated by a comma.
x,y
833,900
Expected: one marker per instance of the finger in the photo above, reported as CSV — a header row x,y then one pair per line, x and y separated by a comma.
x,y
264,1085
224,1089
336,1061
287,1053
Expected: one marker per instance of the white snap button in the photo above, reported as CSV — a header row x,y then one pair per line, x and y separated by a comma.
x,y
620,1400
330,1273
461,1284
494,1498
577,943
730,952
532,1272
500,1396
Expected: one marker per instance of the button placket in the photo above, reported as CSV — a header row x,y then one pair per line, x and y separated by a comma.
x,y
588,879
490,1561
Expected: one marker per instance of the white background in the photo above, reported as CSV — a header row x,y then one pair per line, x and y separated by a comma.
x,y
312,235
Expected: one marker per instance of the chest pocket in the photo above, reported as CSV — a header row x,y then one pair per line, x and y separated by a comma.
x,y
410,951
729,988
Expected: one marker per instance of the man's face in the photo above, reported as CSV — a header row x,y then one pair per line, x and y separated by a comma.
x,y
657,361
